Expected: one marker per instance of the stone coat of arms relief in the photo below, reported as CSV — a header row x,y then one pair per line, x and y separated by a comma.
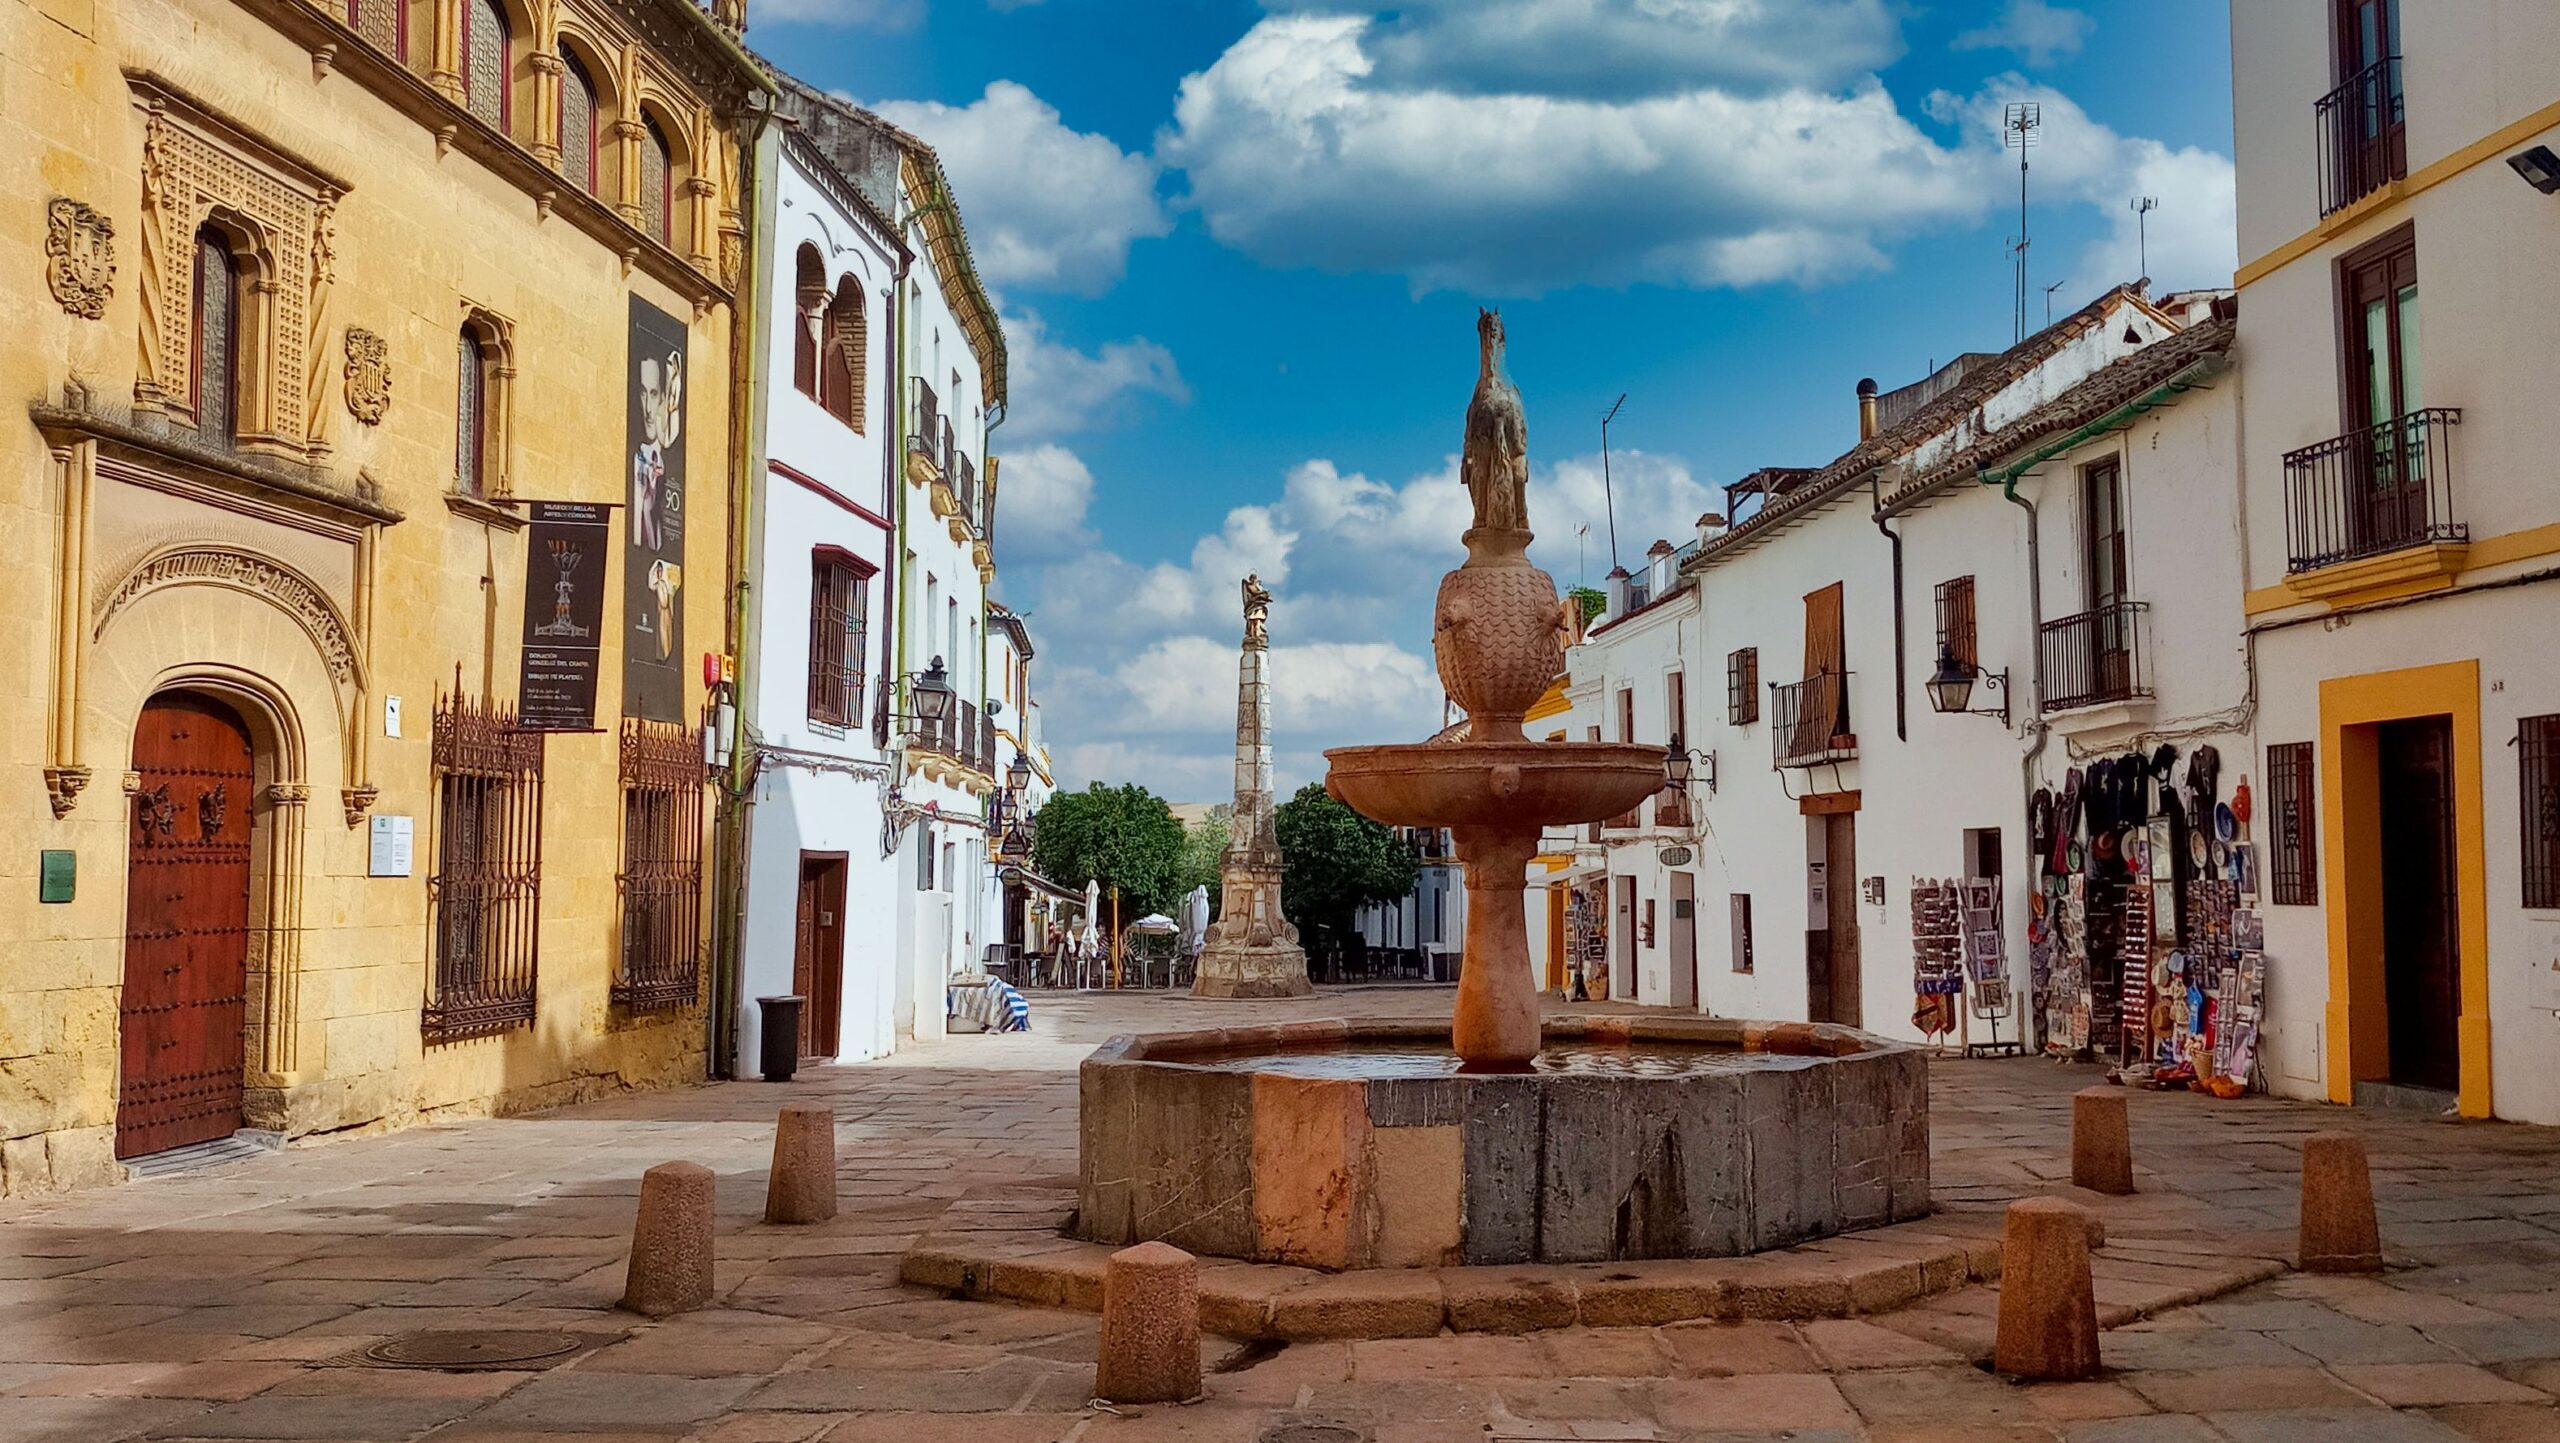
x,y
368,376
80,257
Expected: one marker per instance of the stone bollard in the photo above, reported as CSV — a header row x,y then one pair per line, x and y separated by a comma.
x,y
2048,1306
802,1186
1150,1350
2101,1142
671,1241
2339,1234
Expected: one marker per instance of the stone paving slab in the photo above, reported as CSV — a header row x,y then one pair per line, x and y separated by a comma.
x,y
149,1311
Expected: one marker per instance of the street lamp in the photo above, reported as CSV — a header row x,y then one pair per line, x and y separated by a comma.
x,y
929,692
1952,687
1018,775
1681,766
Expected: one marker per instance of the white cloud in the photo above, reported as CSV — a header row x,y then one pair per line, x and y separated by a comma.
x,y
2194,234
1049,207
1619,48
1041,497
1058,390
857,14
2037,32
1302,149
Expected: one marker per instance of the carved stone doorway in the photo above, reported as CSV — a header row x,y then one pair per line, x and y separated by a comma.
x,y
184,1008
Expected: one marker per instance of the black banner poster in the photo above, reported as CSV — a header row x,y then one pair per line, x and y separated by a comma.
x,y
567,547
653,573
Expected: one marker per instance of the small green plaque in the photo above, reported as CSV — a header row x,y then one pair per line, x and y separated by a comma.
x,y
57,876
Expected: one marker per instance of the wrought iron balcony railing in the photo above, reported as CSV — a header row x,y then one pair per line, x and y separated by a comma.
x,y
2383,488
2363,138
1810,721
2095,657
927,436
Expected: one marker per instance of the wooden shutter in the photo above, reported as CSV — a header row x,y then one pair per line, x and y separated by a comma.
x,y
1823,714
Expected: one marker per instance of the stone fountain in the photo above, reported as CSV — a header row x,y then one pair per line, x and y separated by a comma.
x,y
1502,1140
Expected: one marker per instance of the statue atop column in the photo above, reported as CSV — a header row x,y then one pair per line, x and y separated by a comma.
x,y
1252,950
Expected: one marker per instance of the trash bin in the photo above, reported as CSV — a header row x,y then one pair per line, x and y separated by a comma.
x,y
779,1018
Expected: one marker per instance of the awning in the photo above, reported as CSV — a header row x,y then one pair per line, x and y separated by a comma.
x,y
1024,876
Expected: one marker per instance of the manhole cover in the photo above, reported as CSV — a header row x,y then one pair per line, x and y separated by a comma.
x,y
473,1350
1313,1433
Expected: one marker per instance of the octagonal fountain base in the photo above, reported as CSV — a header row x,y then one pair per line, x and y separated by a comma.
x,y
1362,1145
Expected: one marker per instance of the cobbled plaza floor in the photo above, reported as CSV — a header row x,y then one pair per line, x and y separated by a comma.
x,y
226,1304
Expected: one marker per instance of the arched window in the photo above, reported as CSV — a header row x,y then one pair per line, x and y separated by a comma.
x,y
471,469
577,122
808,306
657,182
841,357
383,22
484,61
214,382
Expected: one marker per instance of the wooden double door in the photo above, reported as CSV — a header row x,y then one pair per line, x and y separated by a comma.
x,y
184,1009
817,953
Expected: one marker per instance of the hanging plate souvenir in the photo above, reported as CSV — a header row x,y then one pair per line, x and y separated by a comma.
x,y
2198,851
2226,822
2074,857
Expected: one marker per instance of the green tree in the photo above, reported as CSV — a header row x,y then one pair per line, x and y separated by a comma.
x,y
1333,861
1202,846
1591,599
1122,836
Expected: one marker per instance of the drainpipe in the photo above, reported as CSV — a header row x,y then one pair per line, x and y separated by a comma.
x,y
1901,677
750,329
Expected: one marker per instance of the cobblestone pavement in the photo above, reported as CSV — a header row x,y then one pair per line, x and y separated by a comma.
x,y
227,1304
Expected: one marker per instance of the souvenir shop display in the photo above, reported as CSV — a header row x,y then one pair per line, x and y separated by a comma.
x,y
1937,955
1987,967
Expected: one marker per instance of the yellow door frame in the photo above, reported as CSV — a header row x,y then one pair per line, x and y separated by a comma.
x,y
2351,708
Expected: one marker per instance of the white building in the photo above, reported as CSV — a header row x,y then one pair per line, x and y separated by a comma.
x,y
1789,654
866,876
1026,780
1420,934
2404,541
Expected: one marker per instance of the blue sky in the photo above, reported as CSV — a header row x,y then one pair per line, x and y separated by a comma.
x,y
1238,246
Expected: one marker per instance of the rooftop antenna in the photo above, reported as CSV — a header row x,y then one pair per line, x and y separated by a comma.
x,y
2143,206
2021,126
2048,299
1606,493
1581,546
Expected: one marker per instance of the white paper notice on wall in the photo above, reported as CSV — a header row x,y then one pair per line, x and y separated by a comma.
x,y
391,716
2542,954
392,838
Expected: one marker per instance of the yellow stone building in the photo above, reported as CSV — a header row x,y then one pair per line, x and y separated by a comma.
x,y
310,305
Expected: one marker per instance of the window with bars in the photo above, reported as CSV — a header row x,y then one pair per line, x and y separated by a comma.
x,y
2293,872
657,182
485,61
471,417
216,378
661,877
577,122
2538,761
839,632
1742,686
485,896
1955,623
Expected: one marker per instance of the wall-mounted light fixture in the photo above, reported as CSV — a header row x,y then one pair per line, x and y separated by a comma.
x,y
1683,766
1952,688
2539,167
929,692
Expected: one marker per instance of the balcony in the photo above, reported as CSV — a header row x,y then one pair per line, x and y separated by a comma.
x,y
1810,721
2374,505
1671,809
2096,657
2364,138
964,484
928,435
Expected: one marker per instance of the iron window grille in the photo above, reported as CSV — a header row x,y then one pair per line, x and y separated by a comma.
x,y
839,638
2294,878
661,878
1742,686
485,896
2538,749
1955,623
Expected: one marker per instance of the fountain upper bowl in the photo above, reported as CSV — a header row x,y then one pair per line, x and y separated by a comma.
x,y
1466,784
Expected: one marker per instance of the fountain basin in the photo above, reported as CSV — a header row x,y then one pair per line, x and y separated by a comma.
x,y
1361,1145
1505,784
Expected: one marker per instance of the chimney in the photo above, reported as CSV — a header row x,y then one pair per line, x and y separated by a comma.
x,y
1618,580
1867,409
1710,526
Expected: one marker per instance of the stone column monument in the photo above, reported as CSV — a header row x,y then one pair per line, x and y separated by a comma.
x,y
1252,950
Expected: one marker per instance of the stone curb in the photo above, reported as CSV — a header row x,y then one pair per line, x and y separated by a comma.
x,y
1877,1271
